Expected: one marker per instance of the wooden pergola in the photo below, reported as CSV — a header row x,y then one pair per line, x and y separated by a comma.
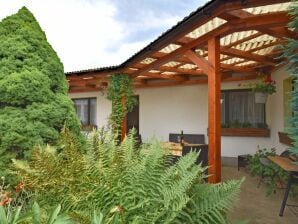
x,y
222,41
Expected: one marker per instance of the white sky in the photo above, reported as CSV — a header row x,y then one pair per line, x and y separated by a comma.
x,y
94,33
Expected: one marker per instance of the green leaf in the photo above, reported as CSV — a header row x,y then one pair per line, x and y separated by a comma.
x,y
36,213
3,219
54,215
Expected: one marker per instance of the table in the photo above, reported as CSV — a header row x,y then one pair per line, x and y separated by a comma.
x,y
287,165
176,148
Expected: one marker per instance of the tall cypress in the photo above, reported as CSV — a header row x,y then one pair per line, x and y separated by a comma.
x,y
291,53
34,104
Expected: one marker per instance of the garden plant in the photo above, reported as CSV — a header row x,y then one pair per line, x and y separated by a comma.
x,y
34,104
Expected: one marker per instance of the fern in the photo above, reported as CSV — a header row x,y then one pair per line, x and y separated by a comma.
x,y
125,183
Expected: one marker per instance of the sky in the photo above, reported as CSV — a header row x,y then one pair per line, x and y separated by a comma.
x,y
88,34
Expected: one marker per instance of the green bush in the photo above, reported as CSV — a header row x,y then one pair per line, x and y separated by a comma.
x,y
34,104
125,183
271,173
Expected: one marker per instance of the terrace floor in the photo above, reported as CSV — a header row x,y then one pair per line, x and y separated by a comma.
x,y
254,205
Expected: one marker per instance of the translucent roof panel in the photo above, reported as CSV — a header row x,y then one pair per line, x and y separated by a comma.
x,y
231,38
148,61
207,27
255,42
172,64
233,60
154,71
269,8
266,50
169,73
246,63
188,66
170,48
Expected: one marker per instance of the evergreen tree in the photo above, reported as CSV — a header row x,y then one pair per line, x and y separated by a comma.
x,y
34,104
290,52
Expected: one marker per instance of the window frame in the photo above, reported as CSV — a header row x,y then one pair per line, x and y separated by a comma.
x,y
226,100
89,111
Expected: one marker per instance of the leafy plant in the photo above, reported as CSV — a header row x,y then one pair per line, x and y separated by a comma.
x,y
271,172
265,84
126,184
34,104
120,92
290,52
35,216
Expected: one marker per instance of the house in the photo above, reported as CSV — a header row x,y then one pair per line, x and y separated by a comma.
x,y
188,79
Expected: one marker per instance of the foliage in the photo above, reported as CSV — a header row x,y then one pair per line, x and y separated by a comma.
x,y
35,216
271,172
265,85
290,52
120,92
34,104
125,183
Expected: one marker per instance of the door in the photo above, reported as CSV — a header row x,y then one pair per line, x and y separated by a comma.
x,y
133,117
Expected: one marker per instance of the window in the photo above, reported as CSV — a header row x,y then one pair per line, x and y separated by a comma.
x,y
86,110
240,110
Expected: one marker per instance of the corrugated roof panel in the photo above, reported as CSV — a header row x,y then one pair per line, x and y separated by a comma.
x,y
169,73
207,27
229,39
148,61
134,69
222,56
246,63
154,71
269,8
188,66
255,42
170,48
265,51
172,64
232,60
199,51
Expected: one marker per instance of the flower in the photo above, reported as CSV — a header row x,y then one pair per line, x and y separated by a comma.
x,y
20,186
5,199
264,85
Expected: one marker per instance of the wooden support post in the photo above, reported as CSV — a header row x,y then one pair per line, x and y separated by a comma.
x,y
214,111
124,122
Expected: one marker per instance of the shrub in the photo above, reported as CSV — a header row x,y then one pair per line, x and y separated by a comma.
x,y
34,104
272,173
125,183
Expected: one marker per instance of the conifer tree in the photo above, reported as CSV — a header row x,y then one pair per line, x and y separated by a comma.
x,y
34,104
291,53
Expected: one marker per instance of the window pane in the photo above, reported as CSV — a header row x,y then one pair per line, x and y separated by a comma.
x,y
240,107
81,107
93,111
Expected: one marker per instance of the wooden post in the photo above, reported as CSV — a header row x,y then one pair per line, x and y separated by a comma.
x,y
124,122
214,111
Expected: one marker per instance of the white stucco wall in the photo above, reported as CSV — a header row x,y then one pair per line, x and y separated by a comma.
x,y
172,109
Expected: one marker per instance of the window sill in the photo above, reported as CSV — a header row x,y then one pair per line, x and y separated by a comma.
x,y
88,127
285,139
245,132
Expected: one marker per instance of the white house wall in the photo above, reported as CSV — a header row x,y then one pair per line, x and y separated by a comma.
x,y
172,109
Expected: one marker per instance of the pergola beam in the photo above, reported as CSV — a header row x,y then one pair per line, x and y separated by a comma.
x,y
246,55
201,62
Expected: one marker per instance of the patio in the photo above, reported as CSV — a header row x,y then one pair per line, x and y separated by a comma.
x,y
254,205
